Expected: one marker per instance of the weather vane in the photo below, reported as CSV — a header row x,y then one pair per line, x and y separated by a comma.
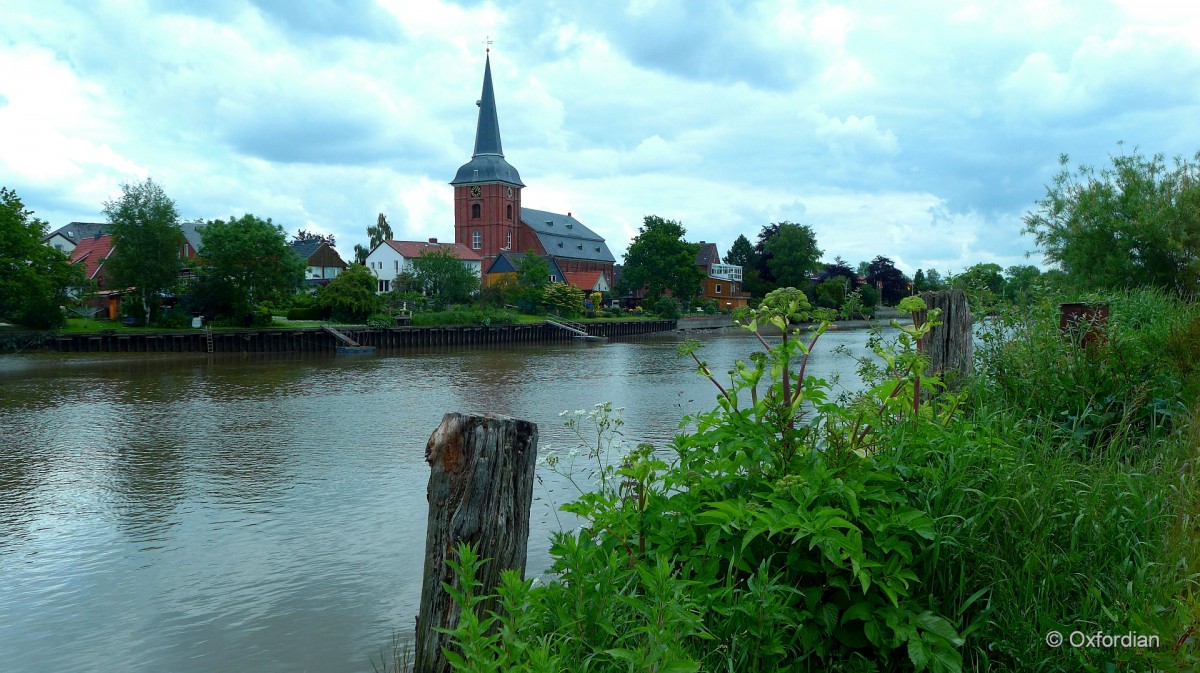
x,y
487,44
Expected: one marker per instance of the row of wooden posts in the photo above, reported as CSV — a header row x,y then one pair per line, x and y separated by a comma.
x,y
315,340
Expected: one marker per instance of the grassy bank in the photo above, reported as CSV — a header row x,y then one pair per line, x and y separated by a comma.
x,y
1057,492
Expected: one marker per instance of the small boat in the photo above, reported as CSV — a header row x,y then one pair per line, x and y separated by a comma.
x,y
355,350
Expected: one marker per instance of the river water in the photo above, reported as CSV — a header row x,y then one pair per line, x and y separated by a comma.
x,y
267,513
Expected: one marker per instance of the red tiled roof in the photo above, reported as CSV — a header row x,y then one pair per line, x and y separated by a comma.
x,y
91,253
584,280
413,249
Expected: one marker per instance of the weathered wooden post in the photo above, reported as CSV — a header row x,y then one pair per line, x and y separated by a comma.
x,y
950,346
480,491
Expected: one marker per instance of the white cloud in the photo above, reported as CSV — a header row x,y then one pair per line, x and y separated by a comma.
x,y
916,131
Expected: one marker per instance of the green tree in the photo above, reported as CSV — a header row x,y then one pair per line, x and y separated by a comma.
x,y
659,259
378,233
245,260
147,243
981,277
793,254
442,277
533,275
841,268
1021,282
934,281
742,254
350,297
1136,223
920,284
34,278
566,300
892,284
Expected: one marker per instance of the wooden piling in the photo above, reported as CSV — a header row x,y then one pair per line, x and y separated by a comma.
x,y
480,491
950,346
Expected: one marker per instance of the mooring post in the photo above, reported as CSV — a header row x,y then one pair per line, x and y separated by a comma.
x,y
480,491
950,346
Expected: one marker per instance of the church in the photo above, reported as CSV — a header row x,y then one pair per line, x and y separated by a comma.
x,y
489,218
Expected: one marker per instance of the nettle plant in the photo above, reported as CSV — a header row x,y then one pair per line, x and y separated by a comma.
x,y
779,533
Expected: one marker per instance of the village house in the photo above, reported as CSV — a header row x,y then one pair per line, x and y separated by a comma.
x,y
322,262
392,258
722,282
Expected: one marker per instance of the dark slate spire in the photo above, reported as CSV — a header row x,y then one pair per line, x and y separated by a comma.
x,y
487,164
487,133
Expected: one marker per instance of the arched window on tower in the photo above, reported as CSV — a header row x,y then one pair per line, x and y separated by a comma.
x,y
508,239
476,211
476,239
510,211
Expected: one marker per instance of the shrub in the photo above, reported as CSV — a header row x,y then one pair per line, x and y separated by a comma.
x,y
380,321
309,313
666,307
465,316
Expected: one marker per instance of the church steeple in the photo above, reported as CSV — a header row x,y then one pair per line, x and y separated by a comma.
x,y
487,189
487,133
487,164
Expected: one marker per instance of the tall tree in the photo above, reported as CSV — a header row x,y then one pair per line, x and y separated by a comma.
x,y
378,233
793,254
246,260
303,236
841,268
1021,281
443,277
763,255
920,284
147,243
34,278
1132,224
660,259
892,284
741,253
981,277
934,280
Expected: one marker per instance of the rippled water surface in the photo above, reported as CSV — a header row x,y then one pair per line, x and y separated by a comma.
x,y
267,513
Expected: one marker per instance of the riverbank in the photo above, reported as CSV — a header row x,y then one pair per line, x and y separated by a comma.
x,y
317,339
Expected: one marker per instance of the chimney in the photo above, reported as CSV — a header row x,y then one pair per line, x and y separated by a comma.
x,y
433,240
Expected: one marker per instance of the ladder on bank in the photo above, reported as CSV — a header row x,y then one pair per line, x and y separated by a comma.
x,y
208,337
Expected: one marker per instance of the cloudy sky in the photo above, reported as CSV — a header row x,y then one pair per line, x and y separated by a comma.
x,y
922,131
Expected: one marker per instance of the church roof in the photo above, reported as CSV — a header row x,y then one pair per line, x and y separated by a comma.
x,y
565,236
487,163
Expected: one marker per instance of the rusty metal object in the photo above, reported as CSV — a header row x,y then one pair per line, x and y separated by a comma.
x,y
1085,324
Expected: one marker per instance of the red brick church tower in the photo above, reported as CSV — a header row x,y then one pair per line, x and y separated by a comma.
x,y
487,189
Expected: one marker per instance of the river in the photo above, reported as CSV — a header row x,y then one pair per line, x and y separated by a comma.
x,y
267,513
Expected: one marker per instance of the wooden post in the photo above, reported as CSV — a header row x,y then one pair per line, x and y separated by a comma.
x,y
480,492
950,346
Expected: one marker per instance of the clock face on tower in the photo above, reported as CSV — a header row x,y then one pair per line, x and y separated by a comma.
x,y
510,192
475,192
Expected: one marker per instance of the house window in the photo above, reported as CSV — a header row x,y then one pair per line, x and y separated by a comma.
x,y
476,240
716,288
397,263
510,211
508,238
476,211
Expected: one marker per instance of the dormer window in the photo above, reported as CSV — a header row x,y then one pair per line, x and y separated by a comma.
x,y
476,239
560,244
